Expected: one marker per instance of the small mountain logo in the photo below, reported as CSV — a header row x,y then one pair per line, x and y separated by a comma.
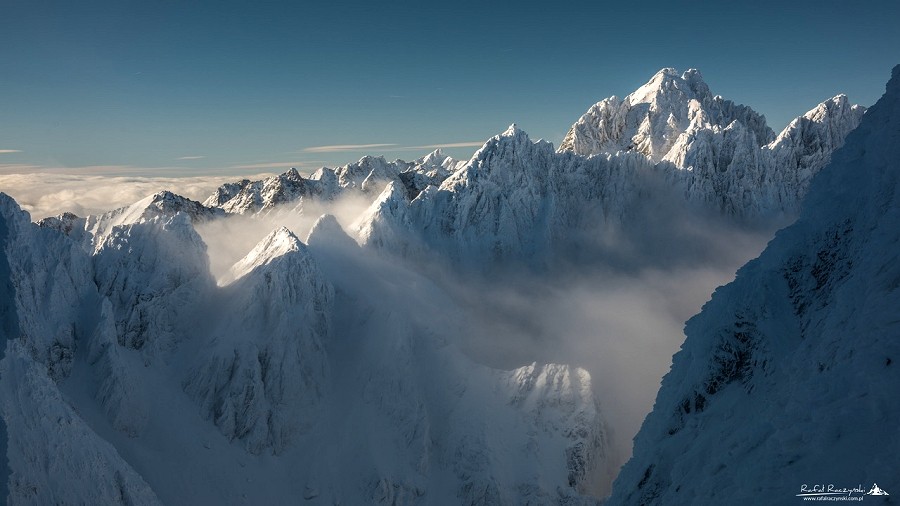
x,y
876,491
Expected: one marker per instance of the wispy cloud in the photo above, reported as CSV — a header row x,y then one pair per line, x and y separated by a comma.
x,y
345,147
275,165
190,157
472,144
6,151
389,147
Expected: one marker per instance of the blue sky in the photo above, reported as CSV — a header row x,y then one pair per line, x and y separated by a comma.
x,y
174,87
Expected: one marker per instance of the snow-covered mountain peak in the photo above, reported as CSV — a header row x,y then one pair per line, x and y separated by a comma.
x,y
513,131
9,209
279,243
512,143
262,196
834,107
435,157
153,272
328,233
378,223
667,84
162,205
815,313
650,120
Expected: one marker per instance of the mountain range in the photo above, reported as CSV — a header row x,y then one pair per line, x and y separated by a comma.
x,y
324,369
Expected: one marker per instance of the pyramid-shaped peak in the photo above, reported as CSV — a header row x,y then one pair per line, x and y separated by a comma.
x,y
279,243
833,107
668,81
436,156
513,131
281,236
327,232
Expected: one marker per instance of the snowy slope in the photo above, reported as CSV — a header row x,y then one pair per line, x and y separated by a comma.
x,y
163,204
320,371
313,374
154,273
264,368
50,278
56,458
788,376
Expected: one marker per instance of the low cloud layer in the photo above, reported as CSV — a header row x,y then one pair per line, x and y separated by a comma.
x,y
620,315
230,240
45,195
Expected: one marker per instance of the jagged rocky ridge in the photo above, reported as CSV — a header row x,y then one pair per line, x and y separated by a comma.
x,y
91,231
369,174
175,389
116,317
670,144
788,374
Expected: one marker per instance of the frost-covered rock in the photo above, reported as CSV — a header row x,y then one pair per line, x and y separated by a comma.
x,y
261,196
119,390
720,154
367,176
49,277
154,273
670,148
54,456
560,399
515,200
264,371
806,144
164,204
788,374
652,118
431,170
385,223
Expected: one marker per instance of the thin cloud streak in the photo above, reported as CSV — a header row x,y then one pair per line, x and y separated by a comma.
x,y
190,157
276,165
6,151
345,147
389,147
472,144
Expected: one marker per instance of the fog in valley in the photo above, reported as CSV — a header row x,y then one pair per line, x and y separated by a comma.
x,y
616,308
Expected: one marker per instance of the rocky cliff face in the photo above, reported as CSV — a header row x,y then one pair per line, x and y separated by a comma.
x,y
785,375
